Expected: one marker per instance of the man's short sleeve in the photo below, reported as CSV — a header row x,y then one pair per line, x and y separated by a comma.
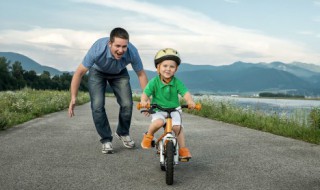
x,y
95,52
136,60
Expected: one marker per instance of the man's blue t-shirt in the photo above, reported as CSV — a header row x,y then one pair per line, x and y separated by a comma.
x,y
99,56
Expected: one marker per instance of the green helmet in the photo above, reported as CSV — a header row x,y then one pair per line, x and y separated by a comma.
x,y
167,54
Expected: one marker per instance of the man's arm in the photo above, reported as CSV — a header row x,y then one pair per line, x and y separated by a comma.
x,y
75,83
143,79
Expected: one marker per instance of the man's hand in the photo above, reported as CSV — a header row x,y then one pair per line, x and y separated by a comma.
x,y
75,83
71,108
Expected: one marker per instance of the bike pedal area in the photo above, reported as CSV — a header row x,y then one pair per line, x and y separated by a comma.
x,y
180,159
184,159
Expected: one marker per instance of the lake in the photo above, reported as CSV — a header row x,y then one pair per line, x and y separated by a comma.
x,y
269,105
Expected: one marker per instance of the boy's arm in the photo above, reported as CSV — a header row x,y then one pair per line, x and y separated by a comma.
x,y
188,98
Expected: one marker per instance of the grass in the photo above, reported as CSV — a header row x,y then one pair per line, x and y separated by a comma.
x,y
278,124
255,119
21,106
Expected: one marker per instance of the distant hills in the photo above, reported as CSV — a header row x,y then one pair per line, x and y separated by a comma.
x,y
29,64
237,78
249,78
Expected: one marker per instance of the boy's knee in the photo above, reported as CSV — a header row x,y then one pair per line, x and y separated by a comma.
x,y
177,128
159,123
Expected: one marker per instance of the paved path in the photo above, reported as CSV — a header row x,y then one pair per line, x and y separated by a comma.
x,y
56,152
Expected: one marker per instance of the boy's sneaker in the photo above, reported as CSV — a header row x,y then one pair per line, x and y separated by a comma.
x,y
146,141
184,153
126,139
107,148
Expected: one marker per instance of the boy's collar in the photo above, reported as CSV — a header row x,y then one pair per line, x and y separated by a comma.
x,y
162,83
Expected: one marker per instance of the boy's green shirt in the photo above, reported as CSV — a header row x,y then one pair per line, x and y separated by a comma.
x,y
165,95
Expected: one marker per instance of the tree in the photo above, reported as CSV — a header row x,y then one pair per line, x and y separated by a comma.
x,y
17,73
6,79
32,79
45,80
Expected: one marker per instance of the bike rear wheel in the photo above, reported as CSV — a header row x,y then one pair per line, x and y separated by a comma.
x,y
169,162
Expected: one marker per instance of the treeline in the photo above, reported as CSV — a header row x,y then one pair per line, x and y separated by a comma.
x,y
279,95
14,77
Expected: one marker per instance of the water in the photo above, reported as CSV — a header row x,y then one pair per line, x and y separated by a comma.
x,y
283,107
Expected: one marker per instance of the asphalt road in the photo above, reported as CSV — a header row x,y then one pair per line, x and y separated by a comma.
x,y
56,152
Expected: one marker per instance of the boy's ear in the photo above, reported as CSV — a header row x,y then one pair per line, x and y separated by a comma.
x,y
158,68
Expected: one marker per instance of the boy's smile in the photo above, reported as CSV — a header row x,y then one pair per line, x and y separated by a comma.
x,y
167,69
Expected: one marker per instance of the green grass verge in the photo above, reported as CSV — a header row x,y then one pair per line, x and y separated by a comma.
x,y
276,124
21,106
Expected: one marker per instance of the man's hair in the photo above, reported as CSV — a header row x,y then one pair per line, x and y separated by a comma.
x,y
119,33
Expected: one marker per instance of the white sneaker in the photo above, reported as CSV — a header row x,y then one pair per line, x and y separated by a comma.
x,y
107,148
126,140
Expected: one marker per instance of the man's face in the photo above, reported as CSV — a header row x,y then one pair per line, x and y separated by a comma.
x,y
118,47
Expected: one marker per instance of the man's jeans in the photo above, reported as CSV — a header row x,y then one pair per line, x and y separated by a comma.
x,y
122,90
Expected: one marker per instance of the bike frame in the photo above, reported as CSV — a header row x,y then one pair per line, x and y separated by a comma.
x,y
167,143
168,135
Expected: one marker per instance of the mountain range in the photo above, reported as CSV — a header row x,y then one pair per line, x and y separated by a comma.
x,y
236,78
28,63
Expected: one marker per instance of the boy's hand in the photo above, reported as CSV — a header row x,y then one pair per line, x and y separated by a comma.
x,y
144,103
191,104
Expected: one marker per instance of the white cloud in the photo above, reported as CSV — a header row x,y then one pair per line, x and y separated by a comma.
x,y
51,47
198,38
202,40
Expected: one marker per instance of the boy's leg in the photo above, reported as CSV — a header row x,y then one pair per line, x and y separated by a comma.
x,y
155,126
178,130
148,137
183,150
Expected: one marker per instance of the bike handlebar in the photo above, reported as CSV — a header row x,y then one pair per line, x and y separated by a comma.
x,y
148,106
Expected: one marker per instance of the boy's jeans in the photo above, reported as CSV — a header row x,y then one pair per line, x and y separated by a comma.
x,y
122,90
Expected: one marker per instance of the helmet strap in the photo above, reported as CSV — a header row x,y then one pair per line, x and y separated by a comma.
x,y
166,80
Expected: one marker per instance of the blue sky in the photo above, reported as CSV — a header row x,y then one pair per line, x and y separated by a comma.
x,y
205,32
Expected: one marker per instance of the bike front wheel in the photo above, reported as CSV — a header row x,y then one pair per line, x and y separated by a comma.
x,y
169,162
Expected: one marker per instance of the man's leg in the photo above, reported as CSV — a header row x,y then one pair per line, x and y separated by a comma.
x,y
97,84
122,90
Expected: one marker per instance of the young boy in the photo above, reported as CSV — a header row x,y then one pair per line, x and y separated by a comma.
x,y
164,90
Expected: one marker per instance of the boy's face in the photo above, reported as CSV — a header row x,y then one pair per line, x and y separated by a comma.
x,y
168,68
118,47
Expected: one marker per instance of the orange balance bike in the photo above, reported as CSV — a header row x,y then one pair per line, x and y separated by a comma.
x,y
167,144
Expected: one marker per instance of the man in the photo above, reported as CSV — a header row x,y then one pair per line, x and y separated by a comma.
x,y
106,61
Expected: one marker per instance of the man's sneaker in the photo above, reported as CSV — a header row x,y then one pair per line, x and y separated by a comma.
x,y
146,141
126,139
107,148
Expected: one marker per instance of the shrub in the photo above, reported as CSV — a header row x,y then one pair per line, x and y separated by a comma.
x,y
315,117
